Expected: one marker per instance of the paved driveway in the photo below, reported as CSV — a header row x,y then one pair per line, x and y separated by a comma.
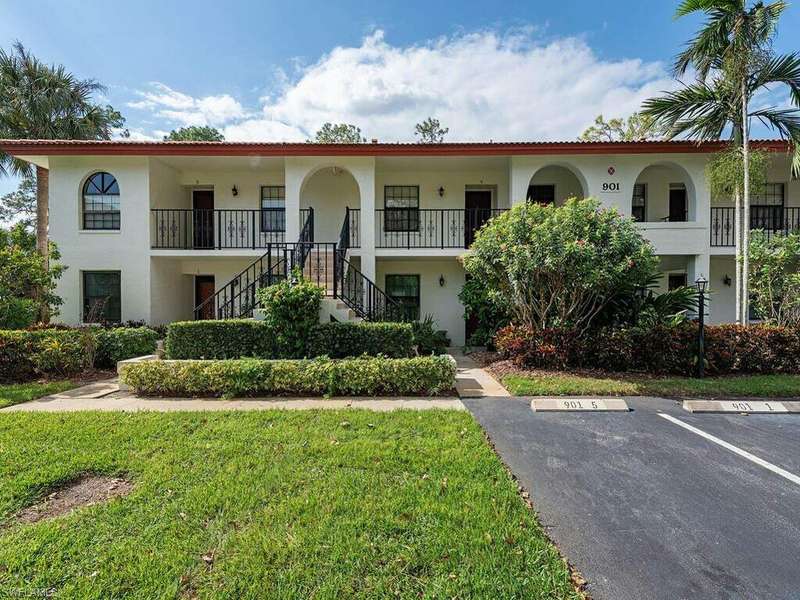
x,y
645,507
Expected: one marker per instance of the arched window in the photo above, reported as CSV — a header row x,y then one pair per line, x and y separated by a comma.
x,y
101,202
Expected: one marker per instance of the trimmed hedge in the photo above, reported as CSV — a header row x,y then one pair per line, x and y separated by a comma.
x,y
122,343
419,376
229,338
245,338
341,340
729,349
60,352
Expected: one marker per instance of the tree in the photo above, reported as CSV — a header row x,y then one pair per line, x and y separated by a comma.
x,y
20,206
39,101
636,128
560,266
430,131
339,133
733,59
27,281
195,133
775,278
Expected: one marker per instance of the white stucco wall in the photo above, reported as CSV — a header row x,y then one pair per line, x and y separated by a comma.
x,y
440,302
329,194
126,250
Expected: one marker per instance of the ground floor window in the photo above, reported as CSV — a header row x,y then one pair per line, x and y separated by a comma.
x,y
404,289
102,299
676,280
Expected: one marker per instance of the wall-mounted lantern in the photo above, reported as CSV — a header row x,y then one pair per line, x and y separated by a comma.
x,y
441,191
235,190
441,281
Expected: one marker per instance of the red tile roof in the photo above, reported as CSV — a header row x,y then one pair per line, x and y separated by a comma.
x,y
139,148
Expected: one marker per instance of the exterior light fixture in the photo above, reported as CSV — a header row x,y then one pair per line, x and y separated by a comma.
x,y
441,281
701,283
727,280
235,190
441,191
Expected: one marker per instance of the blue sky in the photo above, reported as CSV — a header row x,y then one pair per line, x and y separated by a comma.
x,y
278,70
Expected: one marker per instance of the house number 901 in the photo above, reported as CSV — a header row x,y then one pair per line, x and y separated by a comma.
x,y
610,187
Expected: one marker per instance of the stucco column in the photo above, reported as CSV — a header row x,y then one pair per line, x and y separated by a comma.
x,y
700,265
293,179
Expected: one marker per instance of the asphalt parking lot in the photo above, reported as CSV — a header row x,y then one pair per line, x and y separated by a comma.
x,y
646,504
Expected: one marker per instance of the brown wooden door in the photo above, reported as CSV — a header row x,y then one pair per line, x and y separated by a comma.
x,y
203,290
478,210
203,218
677,205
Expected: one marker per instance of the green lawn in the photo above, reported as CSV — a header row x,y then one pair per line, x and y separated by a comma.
x,y
22,392
306,504
567,384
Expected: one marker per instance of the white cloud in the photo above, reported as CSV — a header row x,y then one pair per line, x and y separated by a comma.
x,y
182,109
482,85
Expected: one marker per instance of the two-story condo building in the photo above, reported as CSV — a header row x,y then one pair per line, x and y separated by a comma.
x,y
165,231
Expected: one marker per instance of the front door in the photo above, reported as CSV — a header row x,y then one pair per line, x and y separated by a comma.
x,y
203,290
677,204
478,205
203,220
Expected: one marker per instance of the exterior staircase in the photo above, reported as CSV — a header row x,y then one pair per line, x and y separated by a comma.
x,y
354,296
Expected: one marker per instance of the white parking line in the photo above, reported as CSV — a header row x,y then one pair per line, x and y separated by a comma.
x,y
743,453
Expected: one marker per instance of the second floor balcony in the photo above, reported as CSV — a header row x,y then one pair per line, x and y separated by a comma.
x,y
443,228
772,220
217,229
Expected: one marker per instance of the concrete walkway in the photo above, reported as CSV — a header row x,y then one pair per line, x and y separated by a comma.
x,y
472,381
105,396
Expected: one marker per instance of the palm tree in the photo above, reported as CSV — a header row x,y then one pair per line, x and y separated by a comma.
x,y
732,57
39,101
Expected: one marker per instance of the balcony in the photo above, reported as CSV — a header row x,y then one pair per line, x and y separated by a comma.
x,y
217,229
430,228
772,220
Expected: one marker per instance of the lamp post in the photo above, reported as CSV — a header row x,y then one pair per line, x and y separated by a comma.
x,y
700,283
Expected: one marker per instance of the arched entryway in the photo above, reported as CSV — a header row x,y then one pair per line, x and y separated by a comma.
x,y
329,190
663,192
554,184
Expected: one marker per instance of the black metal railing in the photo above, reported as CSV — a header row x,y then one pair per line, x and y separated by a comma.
x,y
216,229
237,298
772,220
430,228
352,287
353,218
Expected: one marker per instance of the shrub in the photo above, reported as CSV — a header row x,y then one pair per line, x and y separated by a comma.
x,y
61,352
341,340
775,278
560,266
65,353
729,349
17,313
122,343
489,312
427,339
231,338
322,376
292,310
